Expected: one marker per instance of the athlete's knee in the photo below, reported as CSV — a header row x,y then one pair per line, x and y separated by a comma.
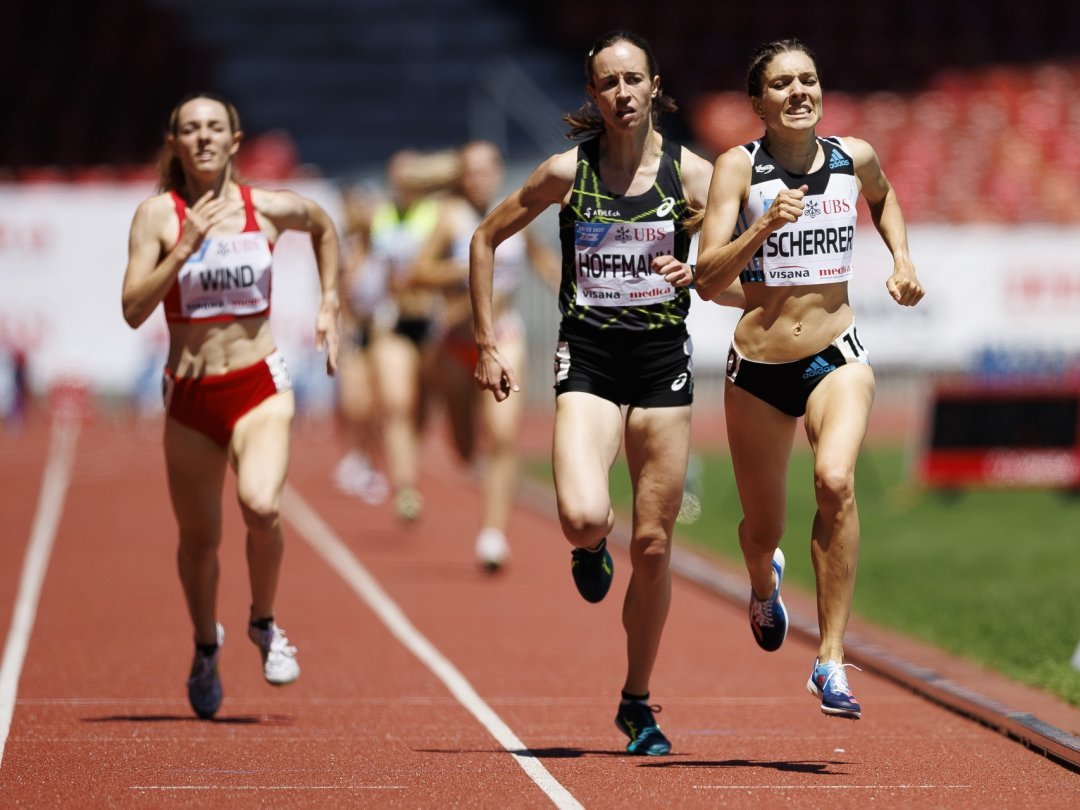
x,y
198,545
764,531
261,509
650,557
834,485
584,526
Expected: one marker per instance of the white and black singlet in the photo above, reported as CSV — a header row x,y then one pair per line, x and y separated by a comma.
x,y
817,248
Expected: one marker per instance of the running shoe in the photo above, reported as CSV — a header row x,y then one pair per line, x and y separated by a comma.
x,y
347,471
492,550
828,682
408,504
635,720
204,682
768,617
354,476
593,570
278,655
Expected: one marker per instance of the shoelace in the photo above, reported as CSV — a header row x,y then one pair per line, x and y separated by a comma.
x,y
838,678
649,722
588,556
280,643
762,612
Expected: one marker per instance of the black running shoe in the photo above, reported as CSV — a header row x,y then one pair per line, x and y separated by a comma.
x,y
593,571
204,683
635,720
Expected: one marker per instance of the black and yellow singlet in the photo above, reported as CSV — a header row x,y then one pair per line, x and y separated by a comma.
x,y
609,242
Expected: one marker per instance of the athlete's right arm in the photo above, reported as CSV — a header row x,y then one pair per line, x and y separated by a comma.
x,y
151,268
548,185
721,258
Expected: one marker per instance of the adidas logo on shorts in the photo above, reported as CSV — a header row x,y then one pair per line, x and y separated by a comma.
x,y
818,367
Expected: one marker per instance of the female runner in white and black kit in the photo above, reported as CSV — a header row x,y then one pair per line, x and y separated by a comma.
x,y
781,217
624,195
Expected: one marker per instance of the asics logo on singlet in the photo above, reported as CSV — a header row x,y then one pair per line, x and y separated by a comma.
x,y
818,367
665,207
680,382
836,160
764,168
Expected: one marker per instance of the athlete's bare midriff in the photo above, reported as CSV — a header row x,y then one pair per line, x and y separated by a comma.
x,y
781,324
209,349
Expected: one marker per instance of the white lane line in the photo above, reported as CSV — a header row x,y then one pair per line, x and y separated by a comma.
x,y
327,544
57,475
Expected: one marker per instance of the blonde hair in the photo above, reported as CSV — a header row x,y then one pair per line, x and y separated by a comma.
x,y
424,173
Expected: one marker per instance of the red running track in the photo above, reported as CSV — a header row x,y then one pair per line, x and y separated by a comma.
x,y
425,683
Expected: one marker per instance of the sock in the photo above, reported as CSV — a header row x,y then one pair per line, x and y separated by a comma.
x,y
629,698
263,624
598,547
206,649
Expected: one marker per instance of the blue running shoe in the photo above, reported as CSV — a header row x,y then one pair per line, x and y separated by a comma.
x,y
204,683
635,720
593,571
768,617
828,682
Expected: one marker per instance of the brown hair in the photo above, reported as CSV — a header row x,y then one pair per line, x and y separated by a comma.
x,y
169,171
764,55
587,121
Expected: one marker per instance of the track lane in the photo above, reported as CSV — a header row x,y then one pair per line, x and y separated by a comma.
x,y
101,716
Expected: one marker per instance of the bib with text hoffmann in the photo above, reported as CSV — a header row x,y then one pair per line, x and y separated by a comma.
x,y
614,262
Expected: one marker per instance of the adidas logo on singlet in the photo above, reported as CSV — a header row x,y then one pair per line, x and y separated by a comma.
x,y
818,367
837,159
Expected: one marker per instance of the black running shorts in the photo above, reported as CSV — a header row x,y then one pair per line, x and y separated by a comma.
x,y
649,368
787,386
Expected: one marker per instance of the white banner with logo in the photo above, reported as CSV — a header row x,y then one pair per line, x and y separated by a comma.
x,y
63,250
989,289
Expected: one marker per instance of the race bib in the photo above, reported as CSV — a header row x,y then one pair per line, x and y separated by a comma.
x,y
816,249
614,262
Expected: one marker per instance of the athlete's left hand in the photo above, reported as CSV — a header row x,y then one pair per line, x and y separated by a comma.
x,y
675,273
326,330
903,286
